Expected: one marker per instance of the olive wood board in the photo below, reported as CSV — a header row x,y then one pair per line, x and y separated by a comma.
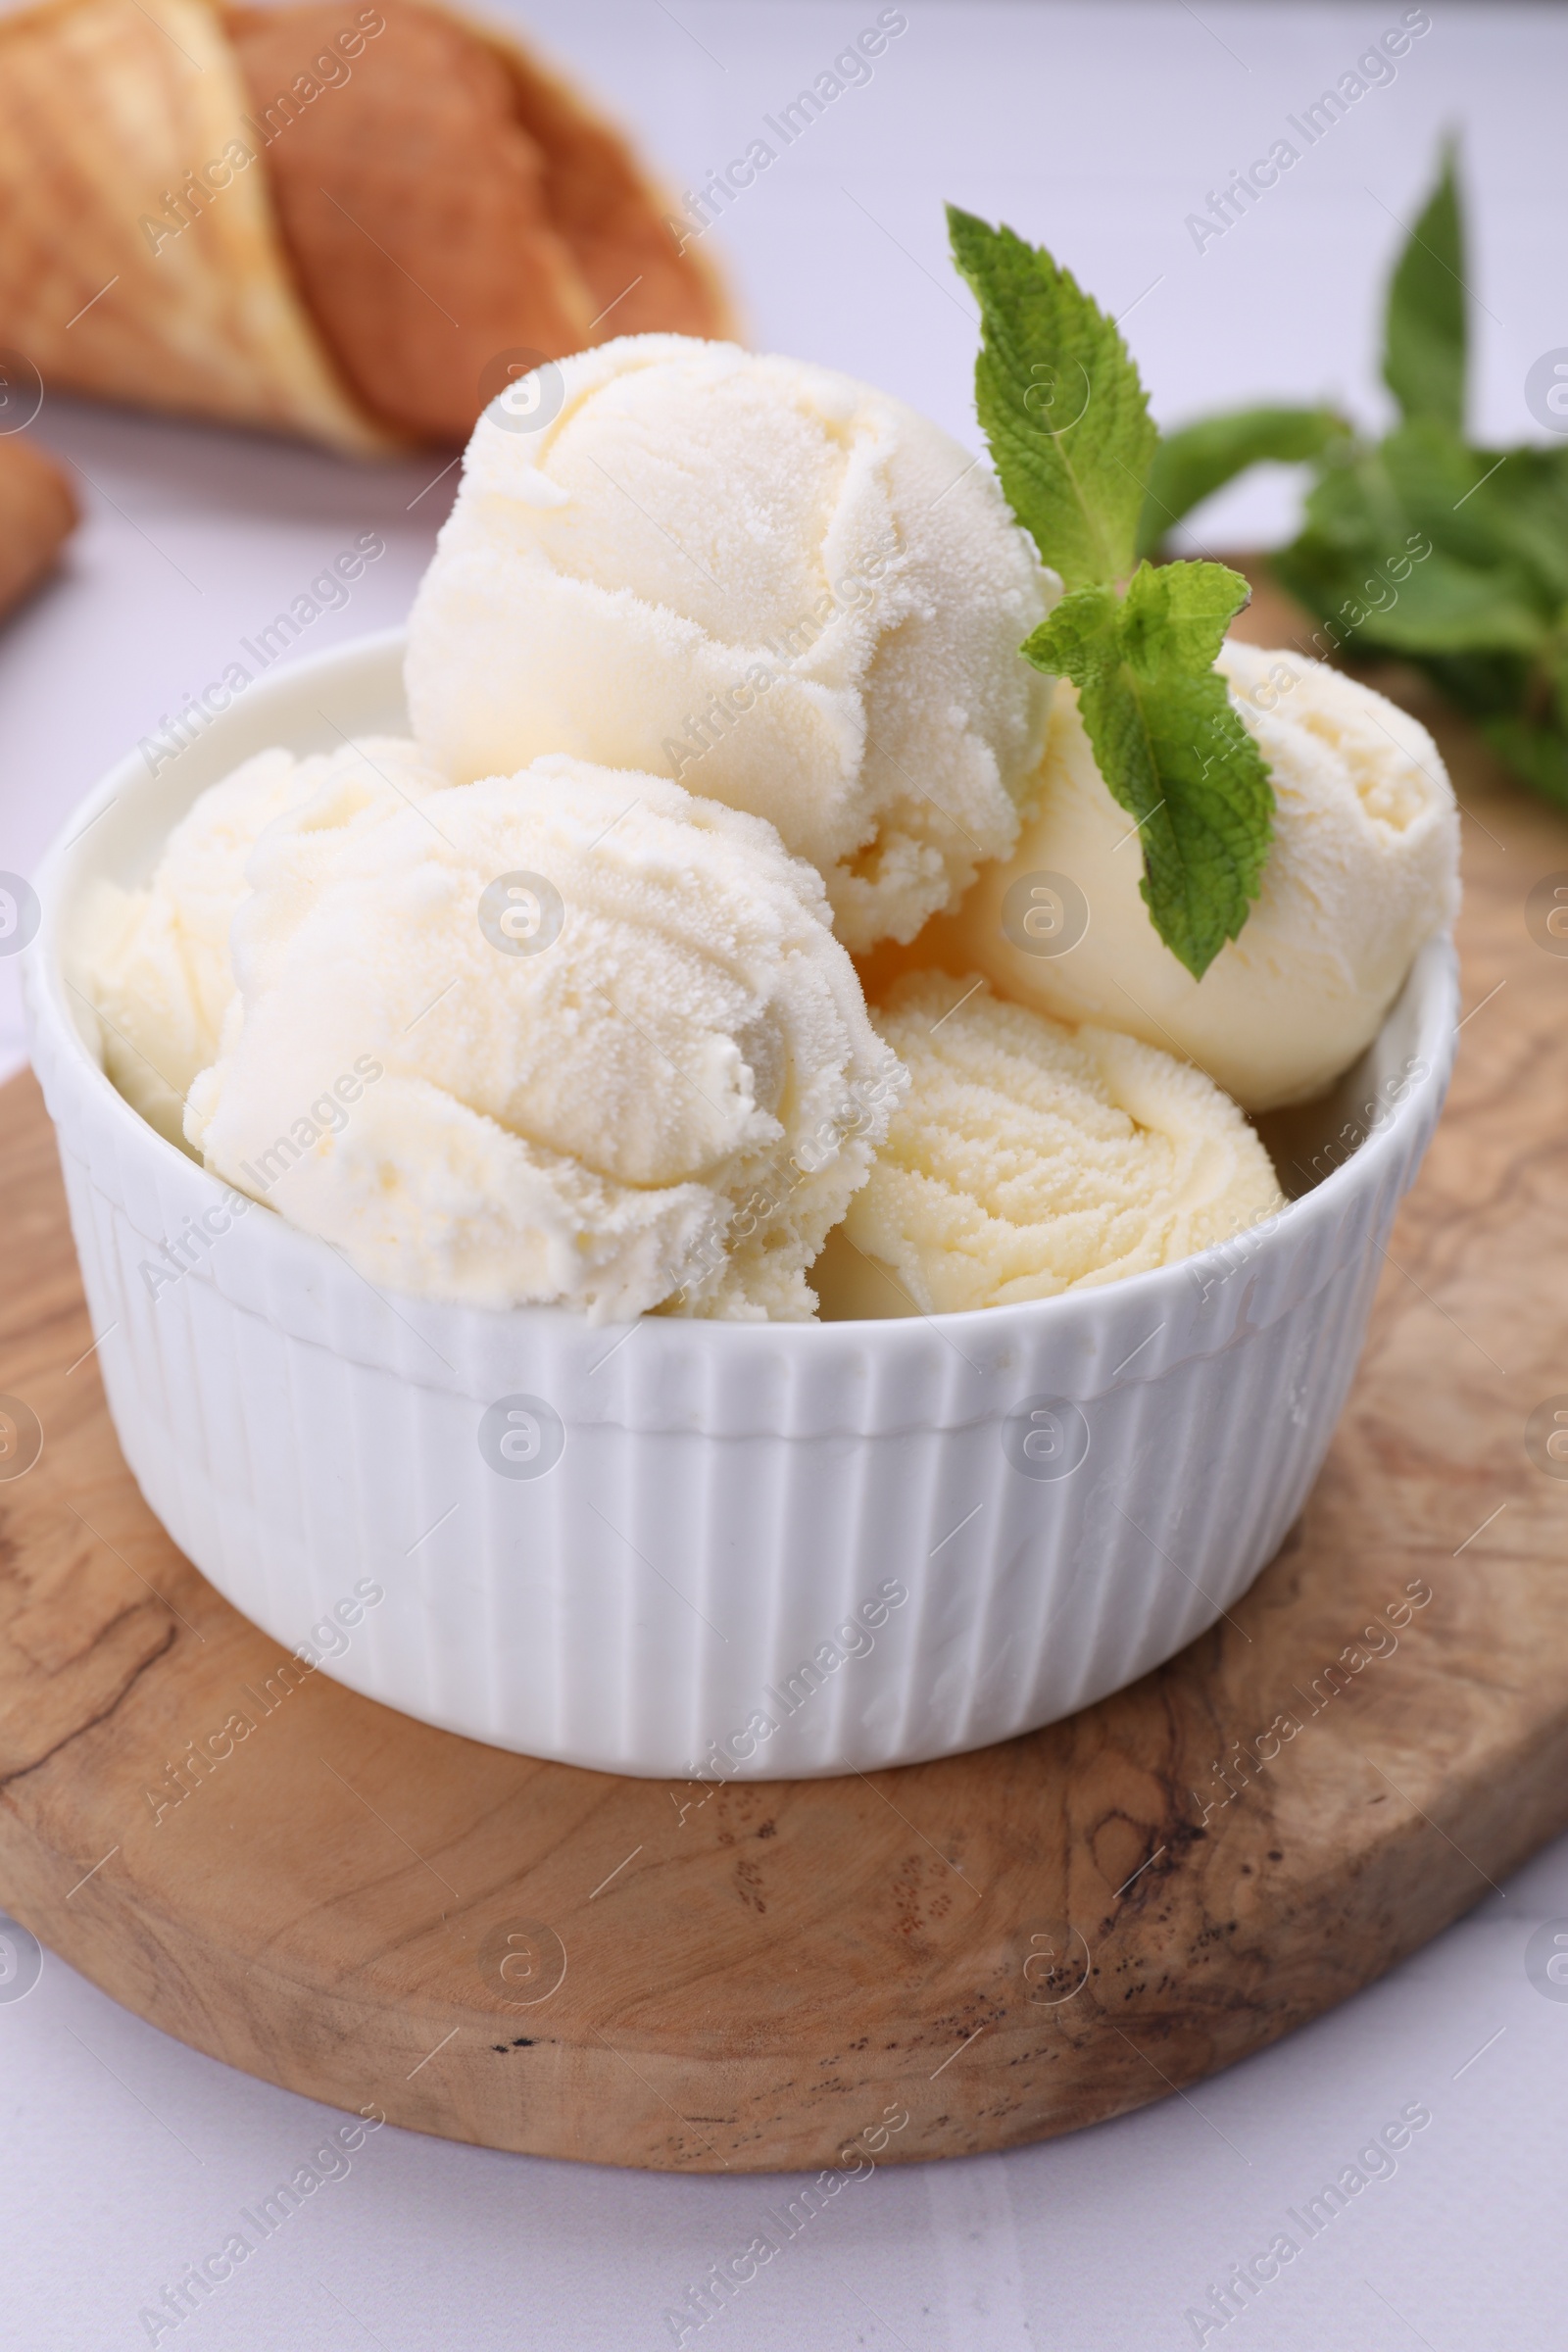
x,y
952,1957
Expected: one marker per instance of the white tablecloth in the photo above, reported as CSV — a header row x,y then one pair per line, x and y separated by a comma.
x,y
125,2157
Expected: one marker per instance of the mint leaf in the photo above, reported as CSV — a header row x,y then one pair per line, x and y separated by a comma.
x,y
1525,500
1501,509
1061,403
1191,464
1168,743
1068,428
1424,325
1082,633
1446,607
1407,551
1355,518
1181,612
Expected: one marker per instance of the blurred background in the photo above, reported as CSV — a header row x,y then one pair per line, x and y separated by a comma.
x,y
1096,130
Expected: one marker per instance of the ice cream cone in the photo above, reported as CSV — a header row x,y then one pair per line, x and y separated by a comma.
x,y
615,219
108,111
454,212
186,231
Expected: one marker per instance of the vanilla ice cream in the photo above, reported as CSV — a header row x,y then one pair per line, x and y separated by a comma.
x,y
770,583
1363,870
1030,1159
571,1037
157,960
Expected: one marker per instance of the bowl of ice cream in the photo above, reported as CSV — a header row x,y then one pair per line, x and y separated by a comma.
x,y
549,1286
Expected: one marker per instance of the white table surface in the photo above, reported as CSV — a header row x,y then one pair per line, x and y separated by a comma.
x,y
123,2157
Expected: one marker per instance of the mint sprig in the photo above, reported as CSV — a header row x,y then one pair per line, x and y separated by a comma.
x,y
1422,545
1067,424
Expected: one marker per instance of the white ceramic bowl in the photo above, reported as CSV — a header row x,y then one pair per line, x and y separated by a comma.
x,y
695,1549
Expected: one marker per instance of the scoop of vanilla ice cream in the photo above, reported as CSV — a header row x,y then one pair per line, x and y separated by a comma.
x,y
1031,1159
780,588
156,961
1363,870
570,1037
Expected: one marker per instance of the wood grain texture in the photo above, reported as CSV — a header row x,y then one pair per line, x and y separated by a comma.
x,y
755,1977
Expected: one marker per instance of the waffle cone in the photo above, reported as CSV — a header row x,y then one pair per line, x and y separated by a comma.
x,y
105,107
615,216
122,275
452,207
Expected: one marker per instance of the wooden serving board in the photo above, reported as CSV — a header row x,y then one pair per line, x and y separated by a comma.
x,y
929,1962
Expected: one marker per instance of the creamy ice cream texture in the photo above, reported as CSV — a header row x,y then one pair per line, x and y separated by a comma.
x,y
157,957
570,1037
777,586
566,1030
1364,869
1030,1159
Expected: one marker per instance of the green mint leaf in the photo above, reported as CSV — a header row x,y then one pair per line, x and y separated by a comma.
x,y
1403,554
1082,634
1424,325
1441,486
1525,499
1168,743
1176,615
1354,508
1191,464
1434,474
1506,508
1445,606
1061,403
